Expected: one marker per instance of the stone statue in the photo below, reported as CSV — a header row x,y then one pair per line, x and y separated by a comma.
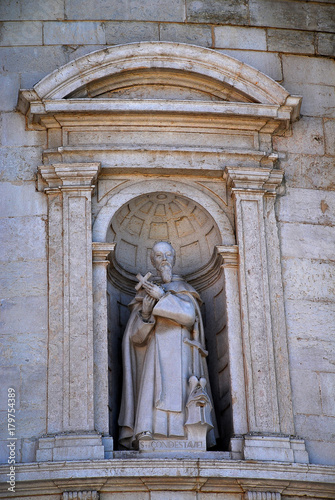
x,y
166,398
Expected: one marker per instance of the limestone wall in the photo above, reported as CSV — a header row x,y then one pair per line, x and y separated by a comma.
x,y
291,41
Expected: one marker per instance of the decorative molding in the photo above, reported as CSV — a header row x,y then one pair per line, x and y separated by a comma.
x,y
80,495
69,175
255,179
229,255
305,480
262,495
243,94
210,64
100,252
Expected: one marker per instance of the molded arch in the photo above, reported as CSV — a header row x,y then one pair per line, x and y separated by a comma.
x,y
190,59
123,196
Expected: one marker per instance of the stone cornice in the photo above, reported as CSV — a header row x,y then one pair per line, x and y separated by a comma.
x,y
263,179
68,175
229,255
100,252
267,118
311,480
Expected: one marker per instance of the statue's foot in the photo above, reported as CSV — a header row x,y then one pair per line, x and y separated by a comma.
x,y
144,436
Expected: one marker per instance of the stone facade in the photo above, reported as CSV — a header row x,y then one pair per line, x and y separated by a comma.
x,y
254,186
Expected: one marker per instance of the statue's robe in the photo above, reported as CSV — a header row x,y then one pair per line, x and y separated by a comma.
x,y
157,365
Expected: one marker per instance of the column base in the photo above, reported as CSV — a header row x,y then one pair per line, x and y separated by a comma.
x,y
269,448
71,446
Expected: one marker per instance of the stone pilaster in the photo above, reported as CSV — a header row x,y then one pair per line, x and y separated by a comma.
x,y
100,341
266,369
70,421
230,256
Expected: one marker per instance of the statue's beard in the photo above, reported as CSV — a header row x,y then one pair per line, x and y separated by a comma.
x,y
165,270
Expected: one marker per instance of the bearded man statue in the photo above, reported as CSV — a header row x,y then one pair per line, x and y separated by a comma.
x,y
166,392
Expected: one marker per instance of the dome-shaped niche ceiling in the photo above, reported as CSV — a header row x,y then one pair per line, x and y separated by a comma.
x,y
163,216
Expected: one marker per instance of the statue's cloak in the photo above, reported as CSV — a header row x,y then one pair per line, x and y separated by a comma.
x,y
157,363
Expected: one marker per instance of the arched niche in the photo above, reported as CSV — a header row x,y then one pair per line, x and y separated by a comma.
x,y
195,235
161,117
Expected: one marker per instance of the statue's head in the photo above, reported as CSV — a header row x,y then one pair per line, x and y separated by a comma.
x,y
163,257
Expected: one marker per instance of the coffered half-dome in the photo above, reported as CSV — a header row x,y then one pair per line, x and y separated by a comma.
x,y
144,220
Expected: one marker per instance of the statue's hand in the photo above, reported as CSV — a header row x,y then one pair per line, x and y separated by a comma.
x,y
155,291
147,307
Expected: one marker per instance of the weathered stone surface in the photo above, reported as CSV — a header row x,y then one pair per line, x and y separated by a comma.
x,y
31,422
8,88
14,132
306,392
74,33
127,32
309,280
136,495
215,11
309,171
290,41
29,229
326,44
329,136
21,199
20,33
307,138
4,445
298,240
265,62
316,425
218,496
32,318
232,37
317,100
13,347
10,376
19,163
170,495
314,70
313,354
321,452
305,205
137,10
10,10
327,385
38,60
197,34
292,14
23,278
34,386
35,9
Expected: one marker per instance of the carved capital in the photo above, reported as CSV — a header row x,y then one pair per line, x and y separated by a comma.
x,y
66,176
229,255
100,252
255,179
